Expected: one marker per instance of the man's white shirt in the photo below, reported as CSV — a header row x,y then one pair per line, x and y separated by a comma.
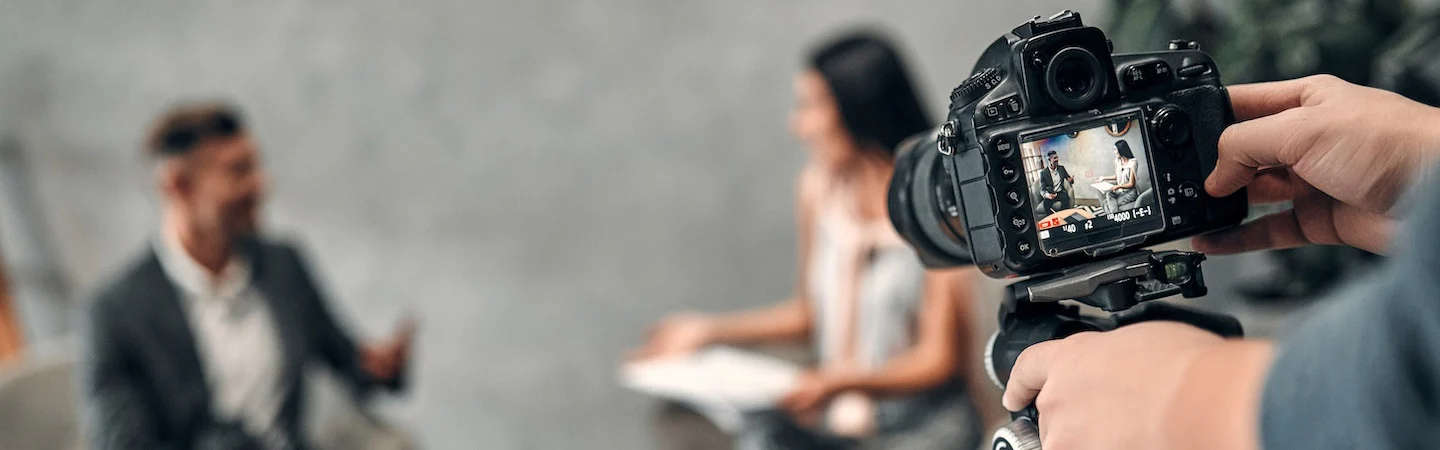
x,y
235,336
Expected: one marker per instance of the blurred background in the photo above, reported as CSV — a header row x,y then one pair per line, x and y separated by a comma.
x,y
537,181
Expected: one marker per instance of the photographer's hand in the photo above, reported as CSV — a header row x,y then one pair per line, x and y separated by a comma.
x,y
1342,154
1160,385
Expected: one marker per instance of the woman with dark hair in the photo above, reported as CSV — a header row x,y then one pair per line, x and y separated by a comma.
x,y
1124,189
892,339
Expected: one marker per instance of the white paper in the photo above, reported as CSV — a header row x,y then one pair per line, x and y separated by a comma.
x,y
1103,186
722,383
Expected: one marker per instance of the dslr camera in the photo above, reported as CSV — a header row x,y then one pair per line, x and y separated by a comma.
x,y
1058,161
1056,152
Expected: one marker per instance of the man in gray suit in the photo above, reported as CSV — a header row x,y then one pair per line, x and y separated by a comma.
x,y
202,341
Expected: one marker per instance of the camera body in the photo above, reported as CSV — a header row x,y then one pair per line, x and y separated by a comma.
x,y
1056,152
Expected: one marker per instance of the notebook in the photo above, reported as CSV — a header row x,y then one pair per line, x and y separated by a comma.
x,y
722,383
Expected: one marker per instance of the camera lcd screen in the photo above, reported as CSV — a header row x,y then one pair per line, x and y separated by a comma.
x,y
1091,186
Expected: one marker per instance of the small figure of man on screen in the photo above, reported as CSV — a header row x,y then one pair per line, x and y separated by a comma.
x,y
1052,184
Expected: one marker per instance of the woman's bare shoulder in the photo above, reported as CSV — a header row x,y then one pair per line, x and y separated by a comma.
x,y
813,184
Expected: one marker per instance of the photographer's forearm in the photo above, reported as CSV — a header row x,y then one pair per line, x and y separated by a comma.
x,y
788,321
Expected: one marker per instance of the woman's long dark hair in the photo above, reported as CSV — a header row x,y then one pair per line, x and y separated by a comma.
x,y
1123,148
877,101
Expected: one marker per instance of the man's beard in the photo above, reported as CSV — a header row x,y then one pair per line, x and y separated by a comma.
x,y
243,220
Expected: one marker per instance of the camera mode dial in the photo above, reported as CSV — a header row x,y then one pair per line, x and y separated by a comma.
x,y
975,87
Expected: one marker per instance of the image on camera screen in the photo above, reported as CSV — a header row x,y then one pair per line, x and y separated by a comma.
x,y
1091,186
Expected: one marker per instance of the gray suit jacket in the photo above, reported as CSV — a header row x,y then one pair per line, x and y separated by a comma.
x,y
1364,371
143,384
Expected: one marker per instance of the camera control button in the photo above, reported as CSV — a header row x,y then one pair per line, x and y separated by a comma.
x,y
1012,106
1008,172
1019,222
1173,128
1146,75
1014,198
1002,146
1161,69
1135,77
992,112
1189,190
1025,248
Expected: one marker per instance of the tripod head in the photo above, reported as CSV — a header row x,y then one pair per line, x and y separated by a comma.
x,y
1032,312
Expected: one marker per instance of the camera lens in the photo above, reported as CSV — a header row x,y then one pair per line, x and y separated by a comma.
x,y
922,204
1074,78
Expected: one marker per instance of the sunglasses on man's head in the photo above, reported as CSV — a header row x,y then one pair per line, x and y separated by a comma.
x,y
184,138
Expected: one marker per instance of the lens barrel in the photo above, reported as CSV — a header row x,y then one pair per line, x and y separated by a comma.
x,y
922,204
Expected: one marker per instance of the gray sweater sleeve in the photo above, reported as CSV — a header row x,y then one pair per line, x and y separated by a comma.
x,y
1364,373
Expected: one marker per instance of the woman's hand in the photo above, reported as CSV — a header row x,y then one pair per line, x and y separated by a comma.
x,y
812,391
677,335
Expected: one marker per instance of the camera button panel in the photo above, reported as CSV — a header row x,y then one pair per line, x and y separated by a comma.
x,y
1145,75
1006,107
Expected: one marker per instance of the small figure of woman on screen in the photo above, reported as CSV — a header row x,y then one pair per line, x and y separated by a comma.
x,y
1123,190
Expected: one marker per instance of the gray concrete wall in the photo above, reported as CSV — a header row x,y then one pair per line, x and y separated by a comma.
x,y
537,180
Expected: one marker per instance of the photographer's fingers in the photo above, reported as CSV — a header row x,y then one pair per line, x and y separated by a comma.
x,y
1031,370
1248,147
1278,230
1270,186
1252,101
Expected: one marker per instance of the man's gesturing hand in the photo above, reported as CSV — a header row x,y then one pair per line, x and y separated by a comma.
x,y
1341,153
1153,385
